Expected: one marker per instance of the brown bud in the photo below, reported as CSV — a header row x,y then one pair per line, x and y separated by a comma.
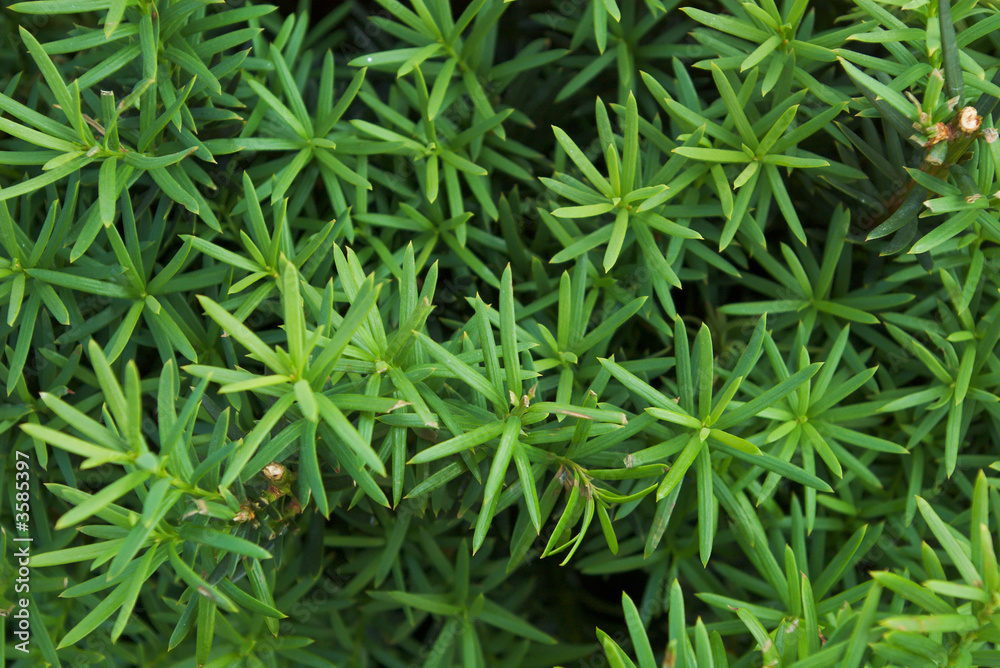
x,y
941,133
969,121
245,515
274,471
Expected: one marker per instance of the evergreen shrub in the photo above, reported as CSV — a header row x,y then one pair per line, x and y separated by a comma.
x,y
578,333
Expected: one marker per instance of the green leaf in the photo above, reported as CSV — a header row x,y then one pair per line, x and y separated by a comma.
x,y
637,633
585,211
349,434
607,327
857,642
459,443
617,239
835,567
958,553
74,164
712,154
108,495
226,542
680,466
95,454
760,53
767,398
242,334
291,91
675,417
527,479
352,322
460,369
581,161
499,617
309,469
39,138
96,616
932,623
951,65
893,106
727,24
433,603
69,104
707,508
283,112
607,528
565,518
630,157
494,482
735,107
508,335
133,587
194,580
166,181
954,226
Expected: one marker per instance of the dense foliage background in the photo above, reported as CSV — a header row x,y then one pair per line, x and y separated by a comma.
x,y
429,334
